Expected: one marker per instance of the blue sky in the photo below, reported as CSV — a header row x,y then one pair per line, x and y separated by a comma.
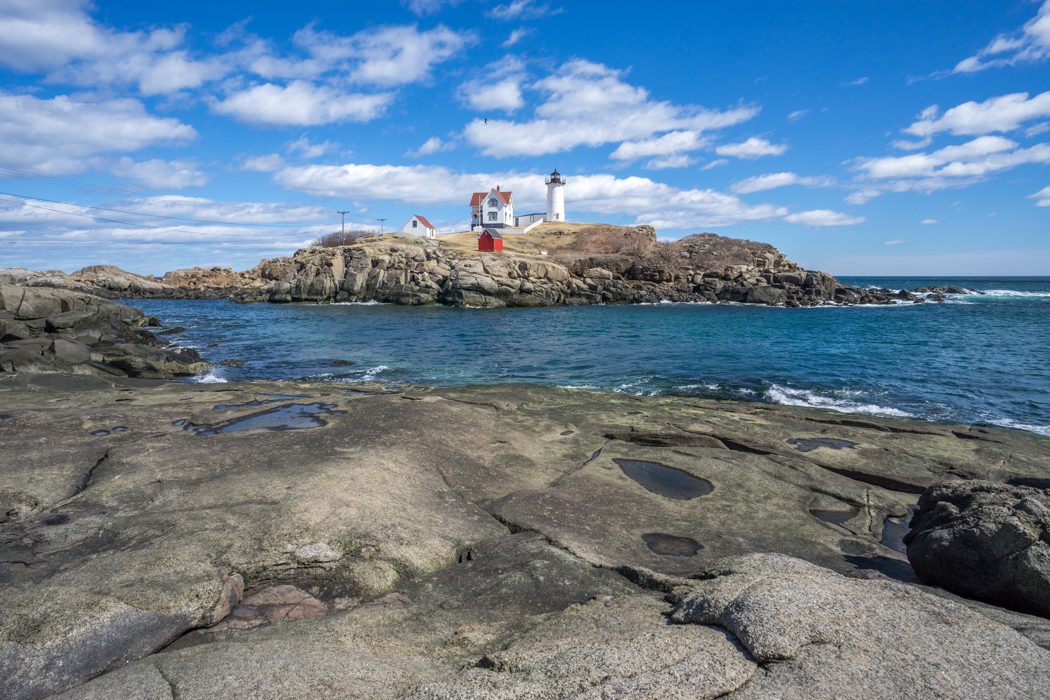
x,y
861,138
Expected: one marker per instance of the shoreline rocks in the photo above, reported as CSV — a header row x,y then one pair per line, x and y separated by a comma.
x,y
986,541
48,330
476,542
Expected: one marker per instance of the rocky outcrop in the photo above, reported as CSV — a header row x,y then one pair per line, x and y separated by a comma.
x,y
500,541
106,281
703,268
986,541
111,282
212,282
57,330
598,265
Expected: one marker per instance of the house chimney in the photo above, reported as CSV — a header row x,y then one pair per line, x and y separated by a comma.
x,y
497,188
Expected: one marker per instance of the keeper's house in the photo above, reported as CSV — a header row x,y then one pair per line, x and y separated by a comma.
x,y
492,209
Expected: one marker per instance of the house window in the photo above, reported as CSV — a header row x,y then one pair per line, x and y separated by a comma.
x,y
415,224
492,202
492,216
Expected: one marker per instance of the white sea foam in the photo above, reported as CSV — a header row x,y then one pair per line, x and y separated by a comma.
x,y
803,397
1017,425
373,302
1012,293
373,372
209,378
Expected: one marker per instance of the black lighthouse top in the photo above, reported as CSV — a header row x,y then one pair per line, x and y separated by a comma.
x,y
556,178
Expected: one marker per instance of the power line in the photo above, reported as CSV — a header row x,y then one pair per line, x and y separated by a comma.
x,y
29,175
125,223
24,197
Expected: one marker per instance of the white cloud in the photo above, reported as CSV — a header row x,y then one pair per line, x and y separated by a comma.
x,y
431,146
588,104
716,163
996,114
857,82
762,183
43,35
680,160
300,103
61,134
233,212
1042,197
822,218
387,56
304,148
242,232
58,36
159,174
968,161
894,242
929,222
1030,45
671,143
862,196
268,163
906,145
754,147
797,114
515,36
503,95
1037,129
646,200
428,7
522,9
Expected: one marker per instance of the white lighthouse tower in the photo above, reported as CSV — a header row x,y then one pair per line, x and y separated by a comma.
x,y
555,197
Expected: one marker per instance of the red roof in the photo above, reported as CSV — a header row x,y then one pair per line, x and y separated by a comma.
x,y
478,197
423,220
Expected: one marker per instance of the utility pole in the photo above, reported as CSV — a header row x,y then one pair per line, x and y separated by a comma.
x,y
381,222
342,225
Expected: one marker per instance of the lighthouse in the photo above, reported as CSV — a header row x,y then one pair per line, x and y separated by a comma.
x,y
555,197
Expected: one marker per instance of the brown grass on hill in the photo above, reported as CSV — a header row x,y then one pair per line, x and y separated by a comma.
x,y
339,238
620,249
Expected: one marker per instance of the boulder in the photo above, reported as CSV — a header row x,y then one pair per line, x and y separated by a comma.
x,y
72,352
818,634
986,541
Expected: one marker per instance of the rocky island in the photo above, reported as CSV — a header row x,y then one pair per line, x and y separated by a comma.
x,y
556,264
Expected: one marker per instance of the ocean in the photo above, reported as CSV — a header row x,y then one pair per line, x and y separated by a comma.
x,y
978,358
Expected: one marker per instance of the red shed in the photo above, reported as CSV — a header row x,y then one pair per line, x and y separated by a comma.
x,y
490,241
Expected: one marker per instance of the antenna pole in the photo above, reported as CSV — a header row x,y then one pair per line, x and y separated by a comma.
x,y
381,222
342,225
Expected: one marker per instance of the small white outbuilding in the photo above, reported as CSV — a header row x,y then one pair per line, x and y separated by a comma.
x,y
419,227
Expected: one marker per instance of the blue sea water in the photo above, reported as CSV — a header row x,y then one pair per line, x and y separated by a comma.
x,y
979,358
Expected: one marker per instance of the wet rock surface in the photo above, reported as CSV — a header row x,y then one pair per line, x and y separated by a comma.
x,y
985,540
45,330
476,542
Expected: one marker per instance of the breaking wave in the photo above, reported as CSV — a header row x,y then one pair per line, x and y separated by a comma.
x,y
845,401
208,378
